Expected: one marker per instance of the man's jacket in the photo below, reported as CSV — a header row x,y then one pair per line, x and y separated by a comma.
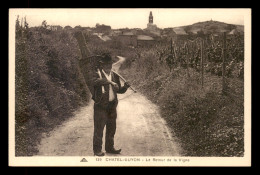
x,y
102,99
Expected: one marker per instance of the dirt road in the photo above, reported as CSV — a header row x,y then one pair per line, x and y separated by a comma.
x,y
140,130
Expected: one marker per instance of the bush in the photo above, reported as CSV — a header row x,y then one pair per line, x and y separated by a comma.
x,y
49,85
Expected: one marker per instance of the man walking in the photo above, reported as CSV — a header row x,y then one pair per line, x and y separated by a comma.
x,y
106,86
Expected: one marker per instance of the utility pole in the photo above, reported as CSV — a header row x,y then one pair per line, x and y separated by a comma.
x,y
171,46
202,62
224,64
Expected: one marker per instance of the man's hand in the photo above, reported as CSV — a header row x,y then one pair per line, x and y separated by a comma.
x,y
127,85
115,85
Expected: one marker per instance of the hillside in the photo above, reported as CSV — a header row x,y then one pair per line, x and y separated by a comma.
x,y
211,27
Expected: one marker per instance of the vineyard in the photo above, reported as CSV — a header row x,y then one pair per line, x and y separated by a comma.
x,y
206,55
188,53
201,100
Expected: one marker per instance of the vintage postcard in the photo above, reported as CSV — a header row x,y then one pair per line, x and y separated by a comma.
x,y
130,87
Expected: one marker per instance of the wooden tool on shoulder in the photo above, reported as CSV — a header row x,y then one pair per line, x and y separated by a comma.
x,y
124,80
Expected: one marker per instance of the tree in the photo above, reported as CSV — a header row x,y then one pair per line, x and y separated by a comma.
x,y
67,27
17,24
44,24
18,28
26,25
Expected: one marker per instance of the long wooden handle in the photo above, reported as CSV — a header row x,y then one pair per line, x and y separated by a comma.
x,y
124,80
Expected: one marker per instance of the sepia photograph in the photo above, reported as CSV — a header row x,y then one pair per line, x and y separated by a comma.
x,y
129,87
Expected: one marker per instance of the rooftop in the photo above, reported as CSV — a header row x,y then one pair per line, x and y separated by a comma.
x,y
128,33
179,31
233,32
144,37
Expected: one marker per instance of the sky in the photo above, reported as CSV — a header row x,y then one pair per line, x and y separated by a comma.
x,y
130,18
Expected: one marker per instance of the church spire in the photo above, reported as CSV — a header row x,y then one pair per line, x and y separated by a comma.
x,y
151,17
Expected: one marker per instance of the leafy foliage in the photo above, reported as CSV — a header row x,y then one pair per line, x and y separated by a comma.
x,y
188,53
49,84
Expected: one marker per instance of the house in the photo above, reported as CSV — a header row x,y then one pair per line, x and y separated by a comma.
x,y
144,41
137,31
102,28
128,33
115,33
105,38
235,32
54,28
174,33
102,36
179,33
166,32
127,39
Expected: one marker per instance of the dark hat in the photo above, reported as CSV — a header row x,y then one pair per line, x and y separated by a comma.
x,y
105,59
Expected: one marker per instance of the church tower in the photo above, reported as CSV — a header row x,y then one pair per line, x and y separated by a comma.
x,y
151,18
152,27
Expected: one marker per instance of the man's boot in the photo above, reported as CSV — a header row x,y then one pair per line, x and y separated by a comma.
x,y
113,151
99,153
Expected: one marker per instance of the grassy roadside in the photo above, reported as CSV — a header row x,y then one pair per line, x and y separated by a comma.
x,y
48,85
206,122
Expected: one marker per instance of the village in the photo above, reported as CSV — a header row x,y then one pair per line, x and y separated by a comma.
x,y
137,37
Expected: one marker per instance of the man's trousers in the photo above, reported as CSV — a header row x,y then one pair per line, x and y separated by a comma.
x,y
104,117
